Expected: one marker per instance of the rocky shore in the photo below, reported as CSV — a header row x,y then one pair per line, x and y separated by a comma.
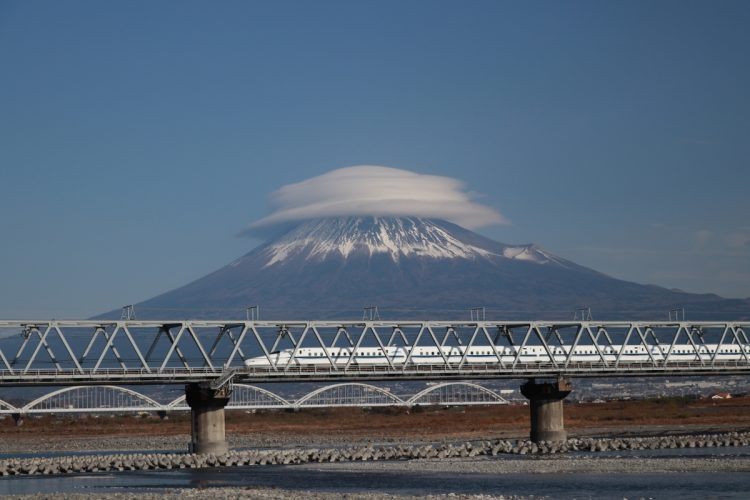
x,y
25,444
361,453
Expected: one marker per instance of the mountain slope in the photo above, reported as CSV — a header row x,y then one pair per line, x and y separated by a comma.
x,y
416,268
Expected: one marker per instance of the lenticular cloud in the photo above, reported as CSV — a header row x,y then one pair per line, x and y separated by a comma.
x,y
375,191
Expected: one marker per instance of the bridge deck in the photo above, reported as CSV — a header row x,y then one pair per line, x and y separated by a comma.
x,y
37,352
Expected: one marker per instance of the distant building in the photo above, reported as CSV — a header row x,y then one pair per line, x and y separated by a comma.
x,y
721,395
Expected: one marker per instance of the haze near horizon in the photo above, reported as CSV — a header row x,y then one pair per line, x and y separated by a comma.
x,y
138,139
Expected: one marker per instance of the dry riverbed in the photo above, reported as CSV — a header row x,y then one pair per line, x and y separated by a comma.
x,y
267,494
611,438
356,426
151,461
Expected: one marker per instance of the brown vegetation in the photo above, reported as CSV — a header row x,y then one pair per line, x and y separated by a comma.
x,y
614,417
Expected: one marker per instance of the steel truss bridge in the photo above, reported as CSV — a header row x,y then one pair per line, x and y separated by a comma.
x,y
34,352
113,399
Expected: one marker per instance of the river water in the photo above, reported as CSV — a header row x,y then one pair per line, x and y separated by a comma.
x,y
658,485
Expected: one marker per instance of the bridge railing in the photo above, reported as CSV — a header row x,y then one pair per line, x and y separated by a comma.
x,y
178,351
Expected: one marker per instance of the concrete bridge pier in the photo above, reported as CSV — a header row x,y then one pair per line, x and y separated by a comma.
x,y
546,407
207,418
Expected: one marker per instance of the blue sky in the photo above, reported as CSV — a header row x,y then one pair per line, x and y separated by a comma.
x,y
138,138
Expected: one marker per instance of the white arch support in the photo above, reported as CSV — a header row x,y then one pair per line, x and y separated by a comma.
x,y
178,404
456,393
109,398
7,408
246,396
349,394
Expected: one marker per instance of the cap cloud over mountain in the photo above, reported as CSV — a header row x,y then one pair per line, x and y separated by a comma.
x,y
370,190
415,267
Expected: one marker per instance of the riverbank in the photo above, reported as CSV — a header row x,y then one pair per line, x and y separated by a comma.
x,y
641,472
357,426
86,464
268,494
369,454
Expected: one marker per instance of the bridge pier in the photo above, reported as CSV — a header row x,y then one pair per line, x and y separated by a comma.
x,y
546,408
207,418
17,419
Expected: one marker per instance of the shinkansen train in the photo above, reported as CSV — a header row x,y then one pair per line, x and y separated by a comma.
x,y
528,354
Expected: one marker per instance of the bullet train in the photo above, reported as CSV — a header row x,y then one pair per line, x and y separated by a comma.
x,y
529,354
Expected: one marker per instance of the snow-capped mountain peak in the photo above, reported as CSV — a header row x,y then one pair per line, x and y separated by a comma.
x,y
416,268
396,237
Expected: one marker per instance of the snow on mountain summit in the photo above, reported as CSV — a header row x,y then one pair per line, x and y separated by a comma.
x,y
413,267
397,237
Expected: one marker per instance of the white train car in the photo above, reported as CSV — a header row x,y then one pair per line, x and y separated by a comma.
x,y
530,354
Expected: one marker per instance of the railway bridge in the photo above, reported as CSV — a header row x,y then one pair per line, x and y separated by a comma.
x,y
210,357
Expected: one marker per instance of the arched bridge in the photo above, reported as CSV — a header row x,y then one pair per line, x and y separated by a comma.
x,y
114,399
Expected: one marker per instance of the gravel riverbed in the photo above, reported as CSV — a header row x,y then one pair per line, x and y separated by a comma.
x,y
31,444
368,453
266,494
456,467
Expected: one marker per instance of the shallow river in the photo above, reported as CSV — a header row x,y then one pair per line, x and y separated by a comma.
x,y
657,485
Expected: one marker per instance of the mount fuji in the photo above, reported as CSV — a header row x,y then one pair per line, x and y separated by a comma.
x,y
417,268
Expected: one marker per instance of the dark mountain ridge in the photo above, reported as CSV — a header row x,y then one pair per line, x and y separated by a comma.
x,y
417,268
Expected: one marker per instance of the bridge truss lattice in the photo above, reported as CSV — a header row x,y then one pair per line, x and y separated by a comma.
x,y
142,352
